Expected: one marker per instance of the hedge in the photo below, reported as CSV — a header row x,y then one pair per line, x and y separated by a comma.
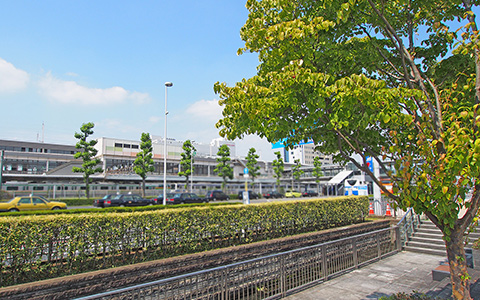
x,y
111,209
39,247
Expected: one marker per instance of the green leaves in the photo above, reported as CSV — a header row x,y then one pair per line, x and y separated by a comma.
x,y
187,160
224,169
87,153
35,248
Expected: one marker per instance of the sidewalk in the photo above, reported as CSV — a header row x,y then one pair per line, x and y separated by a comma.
x,y
403,272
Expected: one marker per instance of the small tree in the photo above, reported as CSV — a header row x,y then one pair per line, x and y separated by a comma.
x,y
224,169
87,153
297,172
187,161
278,167
144,161
252,160
317,171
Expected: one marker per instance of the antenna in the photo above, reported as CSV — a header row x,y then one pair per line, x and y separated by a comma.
x,y
43,131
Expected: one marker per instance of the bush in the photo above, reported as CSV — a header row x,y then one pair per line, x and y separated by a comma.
x,y
39,247
5,195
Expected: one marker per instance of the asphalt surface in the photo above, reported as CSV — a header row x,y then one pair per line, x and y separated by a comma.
x,y
404,272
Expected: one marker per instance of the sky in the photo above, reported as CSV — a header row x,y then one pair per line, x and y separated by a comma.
x,y
65,63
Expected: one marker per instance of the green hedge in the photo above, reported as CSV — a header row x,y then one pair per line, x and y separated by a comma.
x,y
112,209
33,248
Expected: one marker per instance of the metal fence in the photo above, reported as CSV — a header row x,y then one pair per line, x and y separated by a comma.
x,y
269,277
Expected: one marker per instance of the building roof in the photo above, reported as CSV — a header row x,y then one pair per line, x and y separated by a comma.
x,y
340,177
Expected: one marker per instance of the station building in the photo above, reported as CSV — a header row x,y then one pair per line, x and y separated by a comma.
x,y
43,166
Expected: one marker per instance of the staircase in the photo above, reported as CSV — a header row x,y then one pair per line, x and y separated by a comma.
x,y
428,239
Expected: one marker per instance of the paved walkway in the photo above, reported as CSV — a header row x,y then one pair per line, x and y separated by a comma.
x,y
403,272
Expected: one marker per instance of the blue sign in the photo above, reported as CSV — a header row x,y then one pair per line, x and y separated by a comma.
x,y
370,163
281,144
245,171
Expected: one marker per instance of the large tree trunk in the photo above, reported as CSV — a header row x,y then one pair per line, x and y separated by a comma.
x,y
458,265
143,187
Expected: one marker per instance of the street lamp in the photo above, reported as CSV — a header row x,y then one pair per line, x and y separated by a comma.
x,y
167,85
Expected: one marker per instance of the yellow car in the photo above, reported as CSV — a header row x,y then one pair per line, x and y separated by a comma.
x,y
25,203
293,194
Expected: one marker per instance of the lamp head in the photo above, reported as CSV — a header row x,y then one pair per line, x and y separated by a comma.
x,y
168,84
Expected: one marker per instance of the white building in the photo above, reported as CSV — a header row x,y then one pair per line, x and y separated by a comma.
x,y
306,154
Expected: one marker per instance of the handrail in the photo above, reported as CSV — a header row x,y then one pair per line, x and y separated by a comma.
x,y
408,225
270,276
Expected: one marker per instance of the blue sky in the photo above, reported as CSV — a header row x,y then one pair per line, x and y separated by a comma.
x,y
64,63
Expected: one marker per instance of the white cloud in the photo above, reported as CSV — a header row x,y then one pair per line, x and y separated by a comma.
x,y
206,113
261,145
67,92
11,78
208,109
154,119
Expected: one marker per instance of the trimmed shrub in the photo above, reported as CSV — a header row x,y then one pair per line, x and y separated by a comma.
x,y
39,247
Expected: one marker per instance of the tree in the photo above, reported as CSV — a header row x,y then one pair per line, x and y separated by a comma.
x,y
87,153
252,160
394,80
317,171
296,173
187,161
224,169
278,167
144,161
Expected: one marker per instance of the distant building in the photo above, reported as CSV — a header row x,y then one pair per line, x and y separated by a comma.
x,y
36,166
306,154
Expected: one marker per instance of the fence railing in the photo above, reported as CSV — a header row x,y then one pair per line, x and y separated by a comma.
x,y
271,276
408,225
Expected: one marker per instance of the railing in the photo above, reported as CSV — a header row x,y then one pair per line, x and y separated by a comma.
x,y
408,225
271,276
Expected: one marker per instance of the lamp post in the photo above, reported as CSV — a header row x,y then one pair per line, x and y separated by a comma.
x,y
167,85
192,155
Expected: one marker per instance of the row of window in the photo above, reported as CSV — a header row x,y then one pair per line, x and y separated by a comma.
x,y
36,150
128,146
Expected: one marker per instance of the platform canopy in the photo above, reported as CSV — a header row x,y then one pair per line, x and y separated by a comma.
x,y
340,177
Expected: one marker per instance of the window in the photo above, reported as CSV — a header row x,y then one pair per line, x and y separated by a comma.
x,y
38,201
24,201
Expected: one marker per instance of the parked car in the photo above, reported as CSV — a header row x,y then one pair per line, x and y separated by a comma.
x,y
293,194
25,203
309,194
101,202
251,195
159,199
272,194
184,198
127,200
216,195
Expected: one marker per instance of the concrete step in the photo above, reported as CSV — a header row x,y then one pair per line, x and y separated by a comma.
x,y
429,239
426,250
426,240
419,244
432,236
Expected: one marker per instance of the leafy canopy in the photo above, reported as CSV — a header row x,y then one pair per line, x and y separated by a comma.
x,y
394,80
